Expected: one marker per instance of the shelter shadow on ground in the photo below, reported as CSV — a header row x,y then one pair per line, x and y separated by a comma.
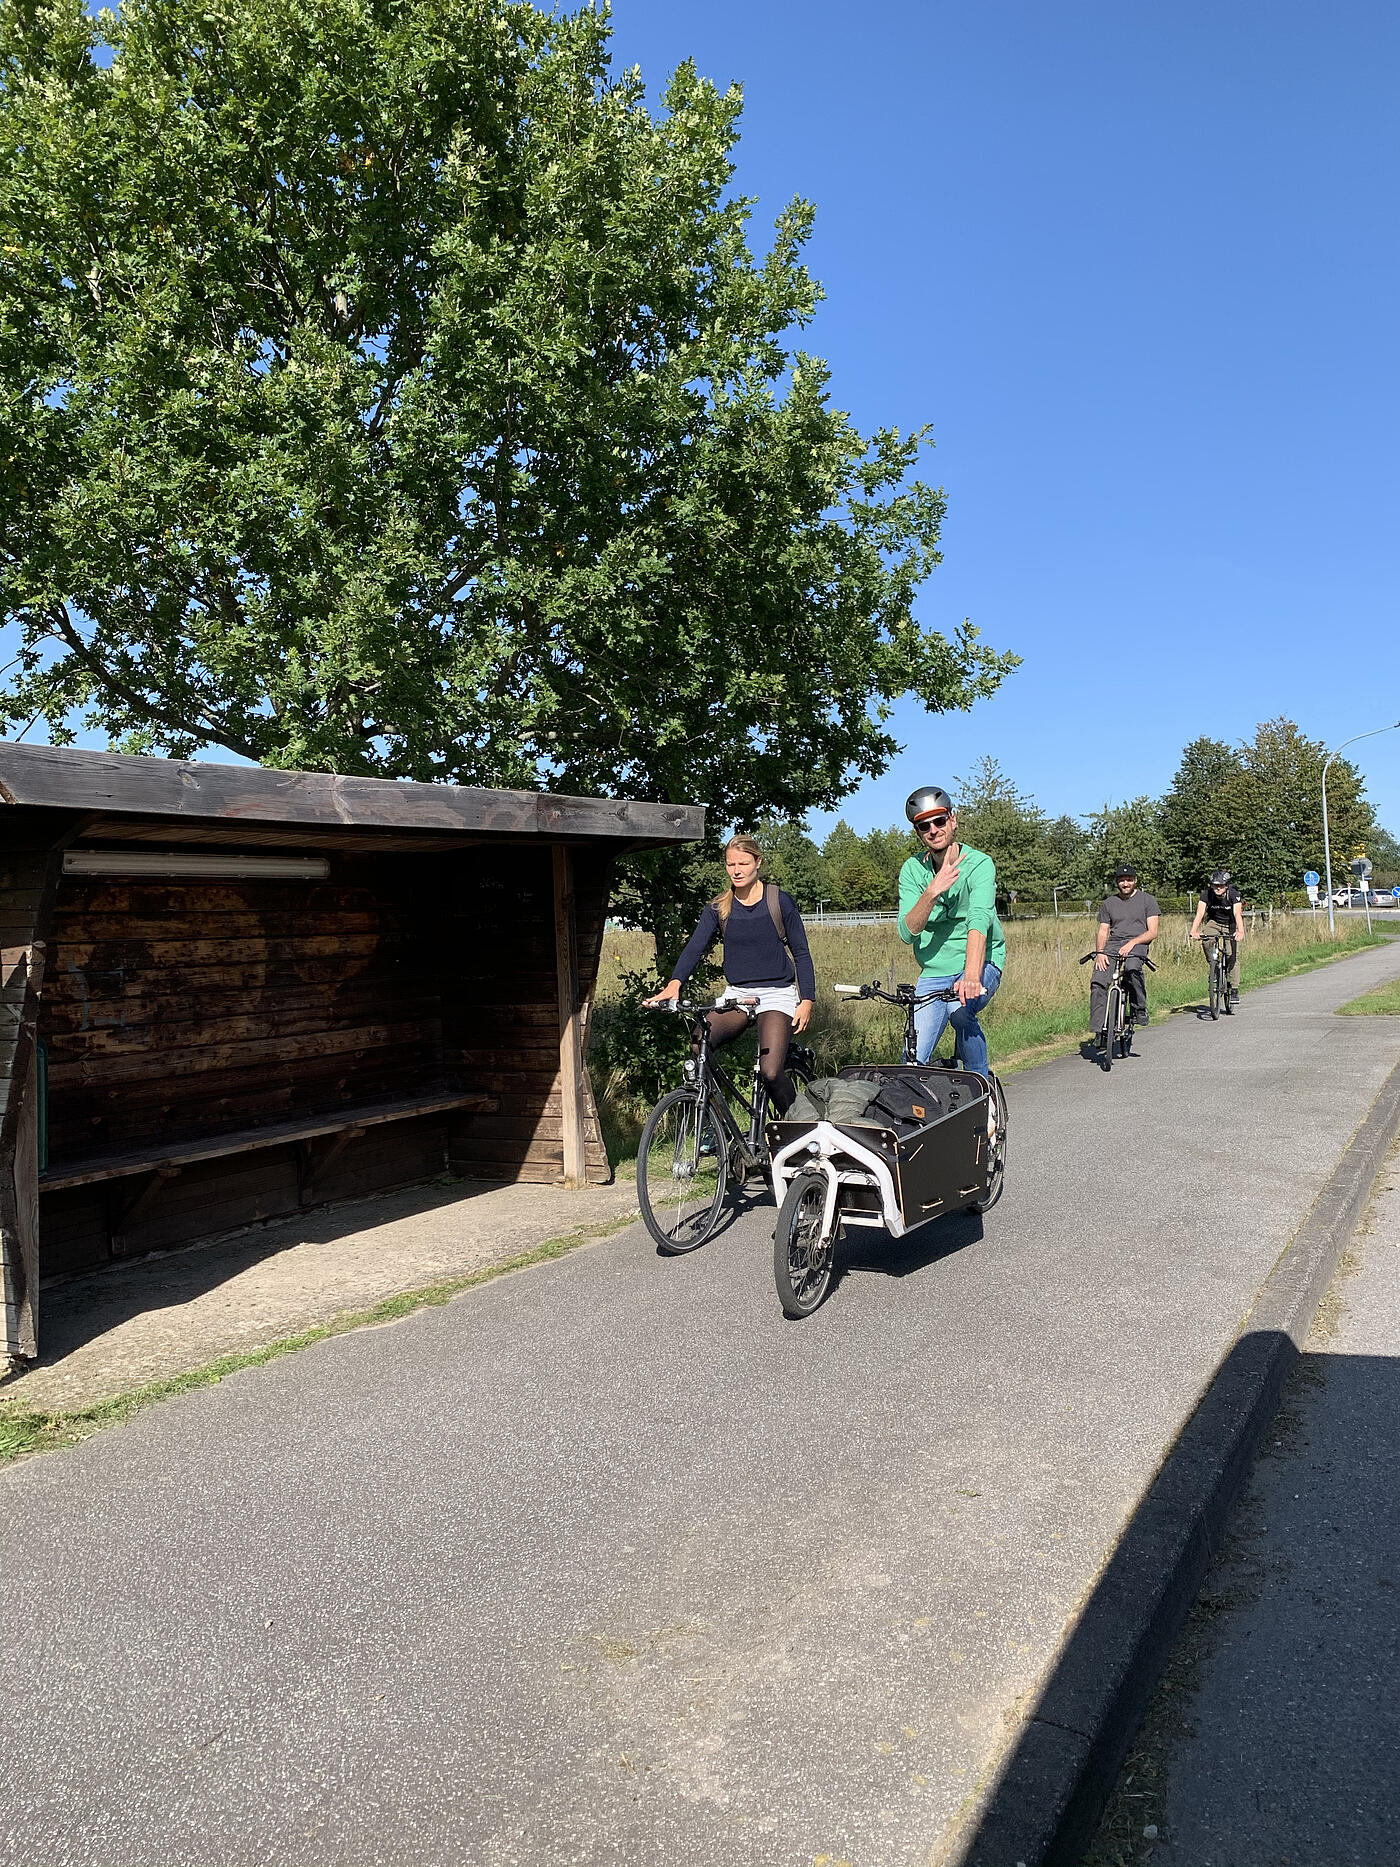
x,y
84,1306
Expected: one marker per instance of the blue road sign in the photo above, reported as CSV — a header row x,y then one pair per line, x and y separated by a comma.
x,y
1311,878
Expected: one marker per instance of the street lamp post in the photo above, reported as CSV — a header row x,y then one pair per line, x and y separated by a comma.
x,y
1326,836
1055,897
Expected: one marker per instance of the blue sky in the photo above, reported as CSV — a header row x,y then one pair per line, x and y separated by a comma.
x,y
1137,266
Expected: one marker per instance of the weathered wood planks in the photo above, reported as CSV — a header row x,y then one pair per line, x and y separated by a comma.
x,y
106,782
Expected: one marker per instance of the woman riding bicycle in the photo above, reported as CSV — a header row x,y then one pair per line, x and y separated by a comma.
x,y
761,962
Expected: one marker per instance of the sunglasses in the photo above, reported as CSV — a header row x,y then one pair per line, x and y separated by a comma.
x,y
936,822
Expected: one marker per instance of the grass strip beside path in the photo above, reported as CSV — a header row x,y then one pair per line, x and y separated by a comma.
x,y
25,1430
1383,1002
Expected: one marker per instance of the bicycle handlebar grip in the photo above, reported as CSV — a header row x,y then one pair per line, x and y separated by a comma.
x,y
850,991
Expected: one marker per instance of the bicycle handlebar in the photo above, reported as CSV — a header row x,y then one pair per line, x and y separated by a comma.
x,y
1115,957
692,1006
947,994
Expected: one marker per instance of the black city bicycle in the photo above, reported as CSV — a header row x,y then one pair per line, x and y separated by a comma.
x,y
694,1156
1221,958
1115,1035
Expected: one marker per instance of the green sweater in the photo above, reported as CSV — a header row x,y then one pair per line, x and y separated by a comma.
x,y
941,949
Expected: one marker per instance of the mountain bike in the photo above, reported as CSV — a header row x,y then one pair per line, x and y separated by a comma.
x,y
694,1157
1220,957
1115,1035
867,1173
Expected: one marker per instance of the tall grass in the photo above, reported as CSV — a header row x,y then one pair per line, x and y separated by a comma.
x,y
1041,1008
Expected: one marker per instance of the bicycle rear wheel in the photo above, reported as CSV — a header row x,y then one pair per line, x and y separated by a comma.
x,y
682,1172
802,1259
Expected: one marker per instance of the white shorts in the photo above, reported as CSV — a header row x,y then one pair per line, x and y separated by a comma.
x,y
770,997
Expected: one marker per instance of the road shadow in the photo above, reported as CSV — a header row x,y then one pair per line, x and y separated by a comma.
x,y
862,1248
1090,1052
1053,1786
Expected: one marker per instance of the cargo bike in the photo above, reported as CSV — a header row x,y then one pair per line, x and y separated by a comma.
x,y
947,1155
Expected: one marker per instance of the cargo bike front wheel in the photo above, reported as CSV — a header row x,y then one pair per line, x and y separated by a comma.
x,y
804,1245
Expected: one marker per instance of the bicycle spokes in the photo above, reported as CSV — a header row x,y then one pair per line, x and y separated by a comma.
x,y
682,1172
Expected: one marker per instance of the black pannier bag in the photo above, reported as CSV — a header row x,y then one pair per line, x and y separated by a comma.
x,y
906,1102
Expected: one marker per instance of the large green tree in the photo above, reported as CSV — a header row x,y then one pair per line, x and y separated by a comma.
x,y
387,389
1129,833
1198,812
1011,827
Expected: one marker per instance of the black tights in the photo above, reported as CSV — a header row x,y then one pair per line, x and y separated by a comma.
x,y
774,1033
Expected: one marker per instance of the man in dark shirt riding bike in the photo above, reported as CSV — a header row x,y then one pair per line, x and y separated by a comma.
x,y
1223,906
1128,922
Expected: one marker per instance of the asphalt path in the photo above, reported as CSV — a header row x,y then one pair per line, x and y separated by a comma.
x,y
606,1562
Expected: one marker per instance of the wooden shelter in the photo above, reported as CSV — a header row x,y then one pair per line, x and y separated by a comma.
x,y
230,993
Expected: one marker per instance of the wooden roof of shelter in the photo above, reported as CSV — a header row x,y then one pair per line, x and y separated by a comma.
x,y
162,800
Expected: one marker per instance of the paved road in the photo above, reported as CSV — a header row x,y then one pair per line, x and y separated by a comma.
x,y
606,1563
1296,1727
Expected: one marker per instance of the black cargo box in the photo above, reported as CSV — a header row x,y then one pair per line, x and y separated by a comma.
x,y
940,1167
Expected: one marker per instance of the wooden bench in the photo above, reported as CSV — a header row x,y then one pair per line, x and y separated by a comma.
x,y
154,1168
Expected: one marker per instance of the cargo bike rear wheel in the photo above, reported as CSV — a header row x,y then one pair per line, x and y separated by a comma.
x,y
804,1253
996,1149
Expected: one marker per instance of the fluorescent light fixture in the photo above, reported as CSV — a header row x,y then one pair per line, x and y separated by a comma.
x,y
195,867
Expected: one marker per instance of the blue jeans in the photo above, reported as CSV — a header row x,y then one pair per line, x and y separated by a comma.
x,y
930,1020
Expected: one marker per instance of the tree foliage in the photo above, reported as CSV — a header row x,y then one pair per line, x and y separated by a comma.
x,y
993,815
1255,809
386,389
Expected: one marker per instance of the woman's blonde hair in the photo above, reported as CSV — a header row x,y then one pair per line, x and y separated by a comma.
x,y
750,847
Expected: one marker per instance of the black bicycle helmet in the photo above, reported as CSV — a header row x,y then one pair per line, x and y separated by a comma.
x,y
1125,872
924,801
1220,878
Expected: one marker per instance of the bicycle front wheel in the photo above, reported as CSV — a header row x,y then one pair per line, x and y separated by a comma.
x,y
1108,1037
803,1259
682,1171
1215,983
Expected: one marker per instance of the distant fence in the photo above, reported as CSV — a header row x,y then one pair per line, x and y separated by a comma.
x,y
864,917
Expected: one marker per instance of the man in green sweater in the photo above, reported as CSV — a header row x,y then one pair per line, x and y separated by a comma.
x,y
948,914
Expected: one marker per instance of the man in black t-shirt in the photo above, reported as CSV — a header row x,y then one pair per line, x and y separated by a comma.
x,y
1128,922
1222,906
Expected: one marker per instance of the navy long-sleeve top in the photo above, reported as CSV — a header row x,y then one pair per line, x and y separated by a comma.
x,y
753,953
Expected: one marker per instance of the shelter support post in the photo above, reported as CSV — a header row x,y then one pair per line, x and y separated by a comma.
x,y
572,1082
28,882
